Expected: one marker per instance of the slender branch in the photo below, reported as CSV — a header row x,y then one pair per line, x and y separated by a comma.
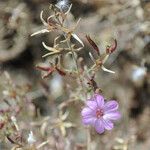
x,y
80,79
77,67
74,58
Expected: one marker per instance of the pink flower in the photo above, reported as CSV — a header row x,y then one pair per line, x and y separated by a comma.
x,y
100,114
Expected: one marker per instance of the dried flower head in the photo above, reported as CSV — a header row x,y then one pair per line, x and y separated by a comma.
x,y
100,61
100,114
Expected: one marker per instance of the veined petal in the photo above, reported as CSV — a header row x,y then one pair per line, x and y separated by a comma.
x,y
99,100
108,125
88,120
92,104
99,126
113,115
110,106
87,112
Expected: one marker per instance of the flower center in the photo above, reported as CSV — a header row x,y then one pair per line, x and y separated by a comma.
x,y
99,113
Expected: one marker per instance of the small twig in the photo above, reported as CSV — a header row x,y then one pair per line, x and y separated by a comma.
x,y
42,144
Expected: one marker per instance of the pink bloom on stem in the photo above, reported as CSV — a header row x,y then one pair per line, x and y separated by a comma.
x,y
100,114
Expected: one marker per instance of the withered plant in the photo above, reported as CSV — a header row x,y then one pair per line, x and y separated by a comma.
x,y
65,50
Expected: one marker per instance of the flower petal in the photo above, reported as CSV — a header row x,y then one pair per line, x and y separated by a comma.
x,y
89,121
114,115
87,112
99,100
99,126
91,104
108,125
111,106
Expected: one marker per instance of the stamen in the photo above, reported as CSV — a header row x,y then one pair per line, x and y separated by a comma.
x,y
99,113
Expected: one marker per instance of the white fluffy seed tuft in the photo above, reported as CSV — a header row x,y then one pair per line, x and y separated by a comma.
x,y
63,5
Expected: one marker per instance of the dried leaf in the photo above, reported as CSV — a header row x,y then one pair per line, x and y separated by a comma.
x,y
76,24
61,72
105,57
49,70
68,9
53,50
49,73
40,32
78,39
107,70
93,44
63,130
50,54
69,124
43,68
43,21
112,48
92,58
52,22
42,144
48,47
65,115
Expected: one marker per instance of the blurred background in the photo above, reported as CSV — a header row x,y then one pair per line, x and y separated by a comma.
x,y
126,20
